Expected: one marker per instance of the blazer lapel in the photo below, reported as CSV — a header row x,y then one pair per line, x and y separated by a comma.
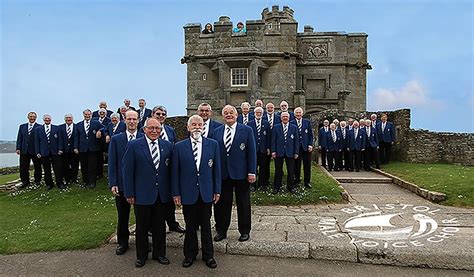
x,y
146,151
189,149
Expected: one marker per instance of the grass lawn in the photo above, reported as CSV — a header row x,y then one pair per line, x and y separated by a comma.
x,y
9,177
38,220
454,180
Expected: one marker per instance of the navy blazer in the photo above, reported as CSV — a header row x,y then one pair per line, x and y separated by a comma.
x,y
140,177
250,116
24,142
357,144
117,146
95,114
344,139
262,140
388,134
292,115
189,182
105,121
68,143
146,114
88,142
242,157
291,147
306,137
170,133
109,130
276,119
373,140
212,127
45,148
332,145
322,141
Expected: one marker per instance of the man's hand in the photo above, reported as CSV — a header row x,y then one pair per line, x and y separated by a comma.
x,y
251,178
98,134
115,190
296,156
60,152
269,152
17,152
216,197
131,200
274,155
76,151
39,156
177,200
107,139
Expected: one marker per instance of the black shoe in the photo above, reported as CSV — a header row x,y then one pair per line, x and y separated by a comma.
x,y
162,260
121,249
357,170
92,185
244,237
178,229
211,263
187,262
140,263
307,185
220,237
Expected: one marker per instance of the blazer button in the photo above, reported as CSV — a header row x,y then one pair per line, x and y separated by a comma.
x,y
227,154
198,174
156,184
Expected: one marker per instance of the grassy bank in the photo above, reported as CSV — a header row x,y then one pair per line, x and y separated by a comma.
x,y
456,181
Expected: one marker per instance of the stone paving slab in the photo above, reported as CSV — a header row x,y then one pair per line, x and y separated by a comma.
x,y
372,189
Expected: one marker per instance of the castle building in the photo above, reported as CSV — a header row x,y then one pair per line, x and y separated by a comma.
x,y
273,62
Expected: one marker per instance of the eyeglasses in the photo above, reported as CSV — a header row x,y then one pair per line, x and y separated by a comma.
x,y
153,128
204,111
160,114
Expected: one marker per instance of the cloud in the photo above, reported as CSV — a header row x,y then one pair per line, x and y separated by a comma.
x,y
411,95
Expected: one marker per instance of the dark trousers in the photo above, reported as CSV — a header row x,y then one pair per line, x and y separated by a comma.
x,y
385,152
100,164
357,155
371,155
305,158
263,170
323,156
55,161
123,215
290,170
198,215
346,159
333,160
170,214
223,208
25,160
89,166
150,217
71,166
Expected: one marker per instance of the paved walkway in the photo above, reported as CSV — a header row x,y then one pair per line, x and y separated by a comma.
x,y
381,224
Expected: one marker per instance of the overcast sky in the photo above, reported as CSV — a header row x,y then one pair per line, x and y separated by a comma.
x,y
63,56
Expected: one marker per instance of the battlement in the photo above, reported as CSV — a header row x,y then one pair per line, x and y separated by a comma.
x,y
283,15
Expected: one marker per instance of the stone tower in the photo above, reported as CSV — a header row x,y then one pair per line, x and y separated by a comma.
x,y
273,62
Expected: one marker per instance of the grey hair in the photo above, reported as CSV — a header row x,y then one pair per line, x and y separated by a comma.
x,y
115,115
161,108
68,115
102,110
86,110
46,115
258,109
205,105
194,118
244,104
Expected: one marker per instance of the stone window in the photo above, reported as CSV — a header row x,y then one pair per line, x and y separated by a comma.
x,y
239,77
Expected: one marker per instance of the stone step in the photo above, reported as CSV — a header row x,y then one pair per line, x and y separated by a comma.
x,y
369,180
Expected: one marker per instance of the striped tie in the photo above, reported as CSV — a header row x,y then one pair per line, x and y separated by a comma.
x,y
154,154
87,127
48,131
228,139
300,125
270,121
285,131
69,132
259,127
204,130
141,115
246,120
30,128
163,135
355,132
195,151
115,128
334,138
131,137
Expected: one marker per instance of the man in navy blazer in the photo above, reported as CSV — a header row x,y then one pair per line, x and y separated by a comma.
x,y
245,117
70,160
102,105
87,145
143,113
305,148
284,108
196,184
238,170
345,156
118,145
126,106
357,142
146,171
322,141
262,134
285,146
371,146
114,127
334,147
48,147
104,121
205,112
386,134
167,133
25,148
